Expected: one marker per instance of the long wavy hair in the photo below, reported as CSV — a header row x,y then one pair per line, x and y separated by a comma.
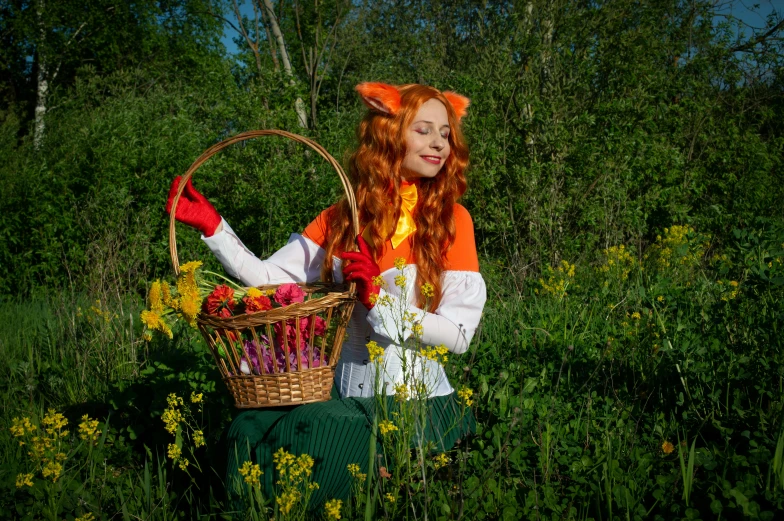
x,y
375,171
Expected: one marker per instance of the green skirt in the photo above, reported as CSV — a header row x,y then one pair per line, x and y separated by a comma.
x,y
335,434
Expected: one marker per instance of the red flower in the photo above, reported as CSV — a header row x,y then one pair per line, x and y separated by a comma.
x,y
256,304
220,302
288,294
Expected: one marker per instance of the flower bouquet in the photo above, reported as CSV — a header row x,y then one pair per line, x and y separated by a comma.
x,y
268,331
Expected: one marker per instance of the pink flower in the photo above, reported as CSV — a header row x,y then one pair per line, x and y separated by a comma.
x,y
288,294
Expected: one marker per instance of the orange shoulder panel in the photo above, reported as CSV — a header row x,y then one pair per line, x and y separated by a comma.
x,y
316,231
462,256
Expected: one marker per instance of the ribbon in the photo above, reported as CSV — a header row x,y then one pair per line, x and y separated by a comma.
x,y
405,224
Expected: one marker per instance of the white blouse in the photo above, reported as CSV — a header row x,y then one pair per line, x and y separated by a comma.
x,y
452,324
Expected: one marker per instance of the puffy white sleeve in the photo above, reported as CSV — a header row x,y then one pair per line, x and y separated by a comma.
x,y
299,260
453,323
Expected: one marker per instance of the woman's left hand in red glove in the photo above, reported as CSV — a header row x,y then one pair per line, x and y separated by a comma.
x,y
361,270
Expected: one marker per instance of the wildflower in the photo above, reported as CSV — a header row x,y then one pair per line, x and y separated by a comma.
x,y
174,452
52,470
667,447
465,395
436,354
88,429
400,281
373,299
353,469
190,267
417,329
171,418
154,322
386,300
389,497
198,439
440,461
173,400
387,427
427,290
21,426
183,464
332,508
559,279
401,392
155,298
400,263
87,517
282,459
636,315
196,398
660,298
251,472
54,422
287,499
378,281
24,480
375,351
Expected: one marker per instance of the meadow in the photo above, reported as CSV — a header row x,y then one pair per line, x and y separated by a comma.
x,y
625,186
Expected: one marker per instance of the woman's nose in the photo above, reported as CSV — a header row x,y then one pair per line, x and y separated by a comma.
x,y
438,143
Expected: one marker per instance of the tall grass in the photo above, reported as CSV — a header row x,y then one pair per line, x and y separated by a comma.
x,y
646,384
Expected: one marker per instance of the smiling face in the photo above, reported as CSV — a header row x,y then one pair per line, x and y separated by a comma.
x,y
427,141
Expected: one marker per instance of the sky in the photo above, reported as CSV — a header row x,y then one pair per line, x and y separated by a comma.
x,y
751,12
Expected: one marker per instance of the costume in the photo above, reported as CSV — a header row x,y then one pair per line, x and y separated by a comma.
x,y
313,428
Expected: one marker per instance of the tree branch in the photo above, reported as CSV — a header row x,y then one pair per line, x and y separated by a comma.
x,y
746,47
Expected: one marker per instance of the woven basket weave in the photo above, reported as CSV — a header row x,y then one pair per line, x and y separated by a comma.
x,y
311,379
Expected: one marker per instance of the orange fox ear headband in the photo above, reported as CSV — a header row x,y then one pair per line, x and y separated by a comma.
x,y
386,98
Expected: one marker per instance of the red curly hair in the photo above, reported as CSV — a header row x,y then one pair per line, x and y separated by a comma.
x,y
375,173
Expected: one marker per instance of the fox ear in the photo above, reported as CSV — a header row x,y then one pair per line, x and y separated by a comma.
x,y
459,103
380,96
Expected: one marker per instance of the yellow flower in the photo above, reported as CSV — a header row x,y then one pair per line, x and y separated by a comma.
x,y
287,500
660,298
465,395
401,392
88,429
190,267
417,329
389,497
87,517
154,322
353,469
373,299
282,459
171,418
253,292
155,298
166,293
436,354
427,290
52,470
174,452
251,472
196,398
183,464
441,461
636,315
667,447
198,439
387,427
24,480
54,422
400,263
375,351
400,281
378,281
21,426
332,508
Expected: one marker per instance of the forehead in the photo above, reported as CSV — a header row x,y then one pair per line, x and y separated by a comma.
x,y
432,110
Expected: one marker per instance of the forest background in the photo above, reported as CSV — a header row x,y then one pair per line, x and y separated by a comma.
x,y
625,184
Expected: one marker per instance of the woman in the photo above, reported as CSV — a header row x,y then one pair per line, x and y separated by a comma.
x,y
408,172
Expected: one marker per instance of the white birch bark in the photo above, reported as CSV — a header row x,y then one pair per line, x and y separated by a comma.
x,y
299,105
42,79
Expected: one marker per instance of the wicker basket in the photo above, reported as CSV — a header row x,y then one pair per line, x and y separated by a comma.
x,y
326,309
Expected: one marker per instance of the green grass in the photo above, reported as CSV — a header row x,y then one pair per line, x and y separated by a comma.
x,y
579,378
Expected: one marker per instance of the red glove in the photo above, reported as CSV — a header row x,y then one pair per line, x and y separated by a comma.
x,y
193,208
361,270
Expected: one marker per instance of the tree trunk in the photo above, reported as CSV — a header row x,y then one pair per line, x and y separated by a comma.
x,y
42,81
299,105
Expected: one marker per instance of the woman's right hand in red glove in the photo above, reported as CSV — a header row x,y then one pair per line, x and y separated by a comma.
x,y
361,270
193,208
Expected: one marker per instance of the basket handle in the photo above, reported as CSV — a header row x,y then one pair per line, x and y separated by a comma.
x,y
214,149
